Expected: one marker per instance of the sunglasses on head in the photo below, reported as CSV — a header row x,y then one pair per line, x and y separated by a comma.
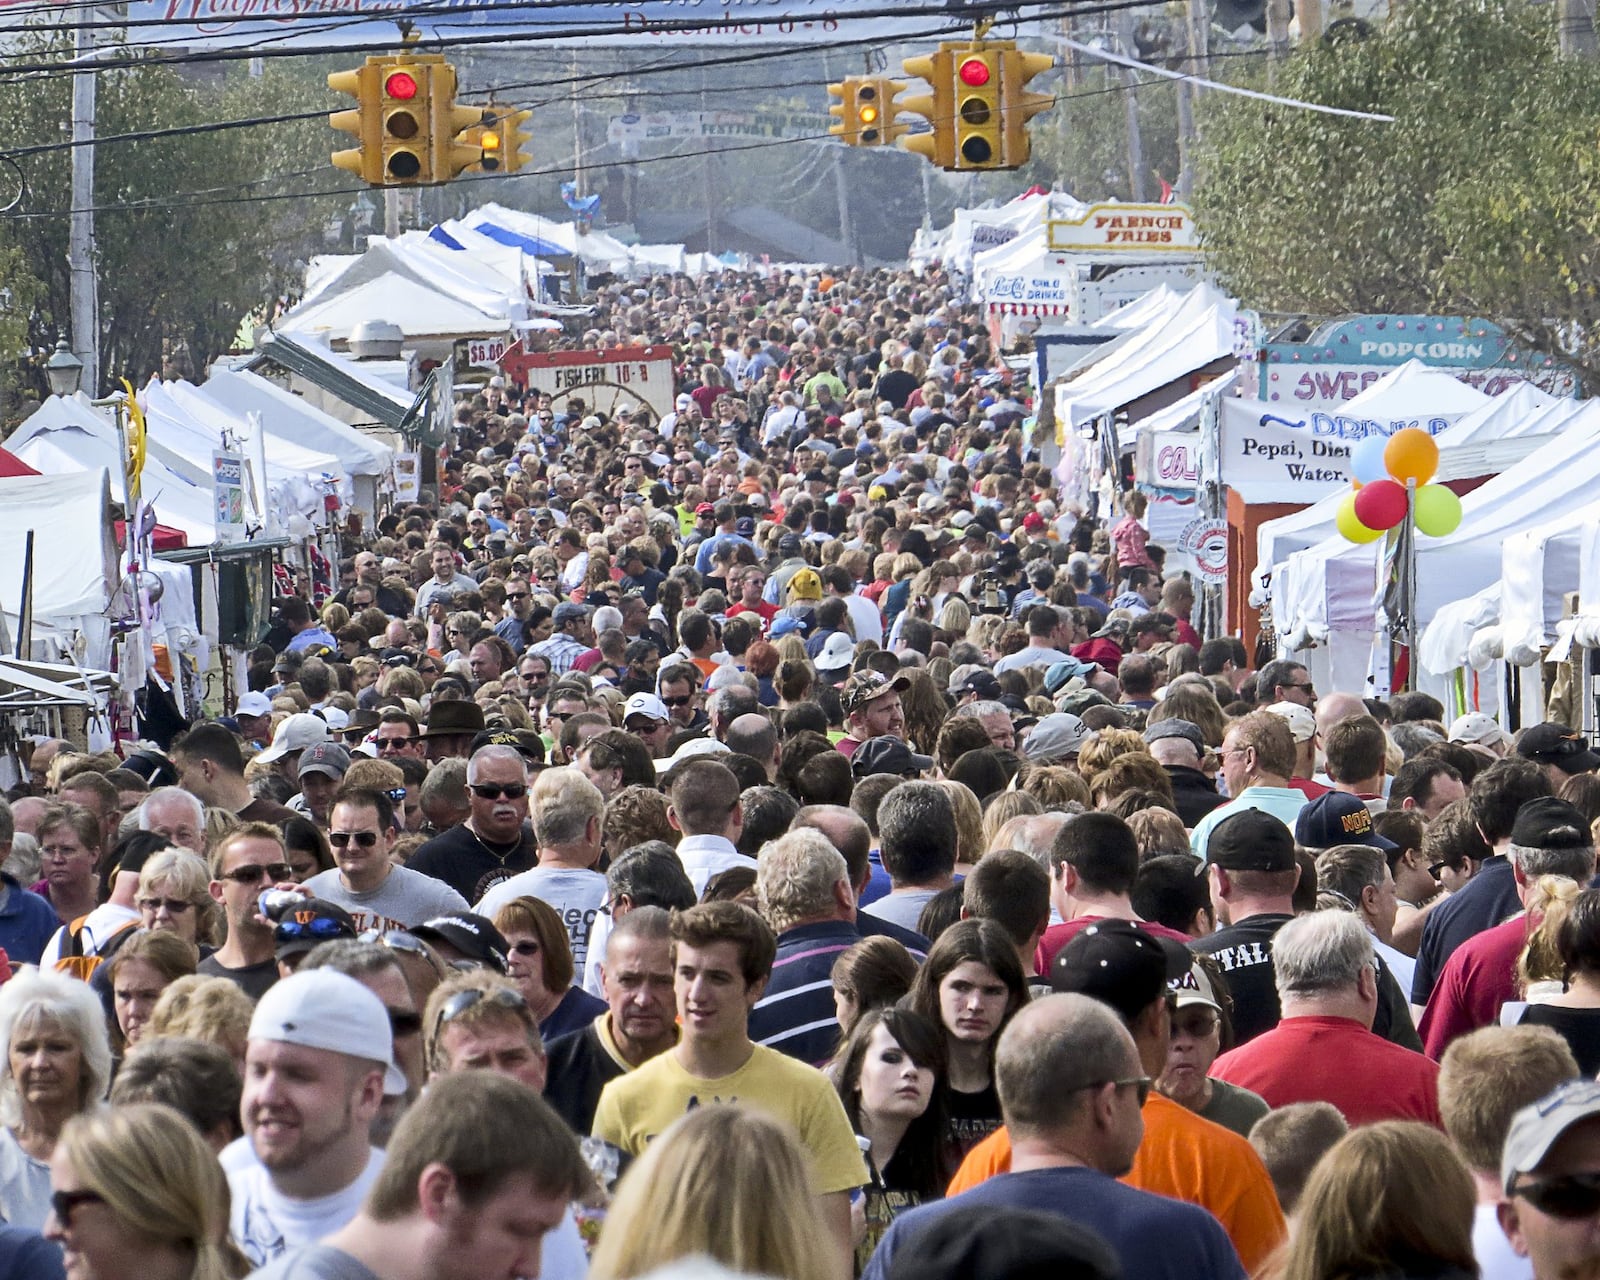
x,y
255,873
459,1003
341,839
1577,1195
318,927
494,790
408,944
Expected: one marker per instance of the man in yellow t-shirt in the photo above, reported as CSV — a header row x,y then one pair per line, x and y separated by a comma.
x,y
721,958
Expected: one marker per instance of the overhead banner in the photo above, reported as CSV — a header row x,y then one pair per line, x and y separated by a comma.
x,y
1270,454
665,126
286,24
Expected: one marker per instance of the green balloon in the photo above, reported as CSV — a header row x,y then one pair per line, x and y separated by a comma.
x,y
1438,510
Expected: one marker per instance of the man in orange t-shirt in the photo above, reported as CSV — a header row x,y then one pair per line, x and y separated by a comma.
x,y
1182,1155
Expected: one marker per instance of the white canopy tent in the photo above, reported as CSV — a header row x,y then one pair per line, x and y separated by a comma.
x,y
595,249
428,317
1198,332
972,231
74,559
68,436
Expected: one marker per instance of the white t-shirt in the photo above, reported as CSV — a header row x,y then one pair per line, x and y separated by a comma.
x,y
266,1223
575,895
99,926
24,1185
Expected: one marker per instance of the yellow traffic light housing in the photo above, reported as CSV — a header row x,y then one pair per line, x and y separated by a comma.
x,y
977,104
509,133
867,111
403,112
1018,104
364,121
447,121
979,142
937,106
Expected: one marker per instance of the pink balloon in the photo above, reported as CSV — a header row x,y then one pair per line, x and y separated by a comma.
x,y
1381,504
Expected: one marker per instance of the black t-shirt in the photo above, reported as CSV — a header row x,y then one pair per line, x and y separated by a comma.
x,y
253,979
1580,1028
970,1118
579,1068
469,866
896,387
1244,950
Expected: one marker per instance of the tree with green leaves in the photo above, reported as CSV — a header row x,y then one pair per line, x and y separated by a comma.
x,y
1482,197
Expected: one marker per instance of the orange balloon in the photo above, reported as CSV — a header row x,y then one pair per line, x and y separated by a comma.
x,y
1411,454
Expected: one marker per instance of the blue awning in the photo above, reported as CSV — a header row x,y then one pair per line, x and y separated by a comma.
x,y
528,244
444,238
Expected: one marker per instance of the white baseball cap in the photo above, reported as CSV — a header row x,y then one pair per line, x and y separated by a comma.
x,y
1480,730
296,734
253,704
326,1009
691,750
1302,724
645,704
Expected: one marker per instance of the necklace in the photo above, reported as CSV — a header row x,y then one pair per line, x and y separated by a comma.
x,y
494,852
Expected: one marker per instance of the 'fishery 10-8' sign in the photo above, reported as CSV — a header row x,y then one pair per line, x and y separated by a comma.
x,y
610,381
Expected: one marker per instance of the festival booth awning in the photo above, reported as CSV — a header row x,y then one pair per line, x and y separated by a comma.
x,y
289,417
430,320
973,231
359,392
493,280
596,250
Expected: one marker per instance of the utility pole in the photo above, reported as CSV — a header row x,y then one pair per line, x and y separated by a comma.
x,y
1575,28
1130,105
707,172
84,295
1310,14
1199,22
1278,15
579,182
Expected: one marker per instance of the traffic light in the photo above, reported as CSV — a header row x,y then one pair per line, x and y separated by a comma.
x,y
937,106
1017,104
867,111
403,86
510,139
979,140
977,104
447,121
363,120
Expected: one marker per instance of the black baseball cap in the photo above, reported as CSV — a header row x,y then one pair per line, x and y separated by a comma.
x,y
1119,964
1551,743
1185,729
887,754
983,683
1336,818
309,924
472,935
1251,840
1549,823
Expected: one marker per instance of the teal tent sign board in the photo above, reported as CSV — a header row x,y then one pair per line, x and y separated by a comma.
x,y
1342,358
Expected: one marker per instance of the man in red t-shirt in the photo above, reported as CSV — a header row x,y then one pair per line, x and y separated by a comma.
x,y
1093,863
1323,1049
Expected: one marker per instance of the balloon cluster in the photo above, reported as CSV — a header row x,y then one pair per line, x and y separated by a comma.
x,y
1381,467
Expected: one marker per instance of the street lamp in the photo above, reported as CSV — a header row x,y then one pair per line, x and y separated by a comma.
x,y
63,370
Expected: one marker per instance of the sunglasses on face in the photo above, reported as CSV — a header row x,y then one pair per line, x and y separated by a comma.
x,y
1577,1195
678,702
494,790
519,595
255,873
525,948
1197,1026
62,1203
341,839
174,906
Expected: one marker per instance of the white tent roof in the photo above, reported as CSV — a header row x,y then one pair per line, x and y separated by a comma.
x,y
1199,331
1414,390
492,283
1320,589
1157,305
1183,414
65,437
954,245
74,556
420,310
597,250
1454,637
289,417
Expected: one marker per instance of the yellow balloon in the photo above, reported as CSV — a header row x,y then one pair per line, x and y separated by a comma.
x,y
1348,525
1411,455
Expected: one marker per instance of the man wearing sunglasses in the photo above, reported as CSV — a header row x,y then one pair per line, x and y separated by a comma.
x,y
1550,1170
496,841
366,882
249,861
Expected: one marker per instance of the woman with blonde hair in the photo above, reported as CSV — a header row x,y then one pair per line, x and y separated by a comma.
x,y
1001,809
214,1010
1391,1199
139,1196
175,894
1106,746
708,1186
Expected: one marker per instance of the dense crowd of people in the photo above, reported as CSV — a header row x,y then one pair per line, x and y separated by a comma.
x,y
783,839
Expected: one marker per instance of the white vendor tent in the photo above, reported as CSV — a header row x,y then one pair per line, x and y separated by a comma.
x,y
493,281
427,317
74,558
1144,360
68,436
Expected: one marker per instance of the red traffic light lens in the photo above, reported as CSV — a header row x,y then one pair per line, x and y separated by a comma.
x,y
400,84
974,72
